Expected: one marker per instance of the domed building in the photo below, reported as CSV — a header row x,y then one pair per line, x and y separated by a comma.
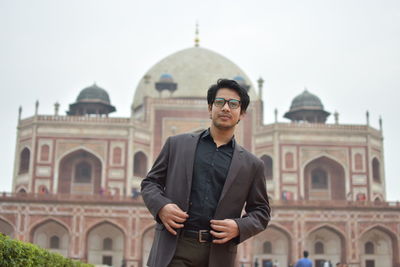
x,y
77,176
308,108
91,100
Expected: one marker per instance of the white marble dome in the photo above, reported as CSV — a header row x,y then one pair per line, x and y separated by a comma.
x,y
193,70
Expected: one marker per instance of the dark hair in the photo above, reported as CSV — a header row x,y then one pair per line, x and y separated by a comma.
x,y
233,85
305,253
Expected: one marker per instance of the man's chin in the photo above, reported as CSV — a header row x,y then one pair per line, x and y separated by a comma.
x,y
223,126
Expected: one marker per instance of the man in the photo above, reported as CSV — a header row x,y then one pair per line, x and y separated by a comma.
x,y
304,262
198,186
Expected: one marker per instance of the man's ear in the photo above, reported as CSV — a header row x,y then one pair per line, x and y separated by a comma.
x,y
242,114
209,111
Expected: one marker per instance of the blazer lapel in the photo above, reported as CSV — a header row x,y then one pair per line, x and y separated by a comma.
x,y
189,154
233,170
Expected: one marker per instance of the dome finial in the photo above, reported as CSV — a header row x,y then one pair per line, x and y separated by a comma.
x,y
196,39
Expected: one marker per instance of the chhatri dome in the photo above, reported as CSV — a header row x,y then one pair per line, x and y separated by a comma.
x,y
91,100
188,74
307,107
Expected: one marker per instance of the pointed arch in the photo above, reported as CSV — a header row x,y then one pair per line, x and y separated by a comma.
x,y
51,234
326,155
358,162
97,234
334,174
24,160
6,227
140,162
281,244
105,221
376,170
393,237
44,152
79,172
36,225
268,166
147,237
336,231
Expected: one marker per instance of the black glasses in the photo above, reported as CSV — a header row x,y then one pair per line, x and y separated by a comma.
x,y
232,103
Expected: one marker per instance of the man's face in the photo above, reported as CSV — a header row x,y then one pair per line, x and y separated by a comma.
x,y
225,117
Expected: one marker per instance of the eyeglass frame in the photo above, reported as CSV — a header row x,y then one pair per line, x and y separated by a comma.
x,y
229,102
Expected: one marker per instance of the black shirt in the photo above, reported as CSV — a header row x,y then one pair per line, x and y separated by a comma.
x,y
210,169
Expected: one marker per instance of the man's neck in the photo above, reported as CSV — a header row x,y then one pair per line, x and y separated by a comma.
x,y
221,137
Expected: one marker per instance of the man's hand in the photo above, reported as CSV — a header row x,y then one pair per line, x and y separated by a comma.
x,y
224,230
172,217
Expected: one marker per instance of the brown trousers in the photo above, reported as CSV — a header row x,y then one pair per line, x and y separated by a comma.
x,y
190,253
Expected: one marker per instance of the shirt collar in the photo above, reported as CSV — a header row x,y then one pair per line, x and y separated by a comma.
x,y
207,134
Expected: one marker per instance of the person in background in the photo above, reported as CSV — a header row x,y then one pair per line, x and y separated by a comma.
x,y
305,261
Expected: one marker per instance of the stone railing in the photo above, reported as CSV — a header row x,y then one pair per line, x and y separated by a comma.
x,y
117,199
348,127
334,204
70,198
86,119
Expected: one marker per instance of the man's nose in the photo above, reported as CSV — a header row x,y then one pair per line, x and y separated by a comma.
x,y
226,106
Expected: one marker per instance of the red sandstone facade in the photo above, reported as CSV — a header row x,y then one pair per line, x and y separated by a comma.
x,y
76,180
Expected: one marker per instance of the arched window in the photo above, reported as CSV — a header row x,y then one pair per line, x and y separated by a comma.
x,y
376,172
24,161
267,167
319,179
117,154
319,248
289,160
54,242
43,190
369,248
140,164
83,172
358,161
361,197
21,191
107,243
267,247
44,153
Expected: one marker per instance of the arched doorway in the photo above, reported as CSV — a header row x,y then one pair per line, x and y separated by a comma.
x,y
51,235
378,248
105,245
6,228
272,245
326,244
140,164
80,173
268,167
147,241
324,179
24,161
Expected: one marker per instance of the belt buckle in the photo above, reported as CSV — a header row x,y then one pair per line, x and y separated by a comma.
x,y
200,236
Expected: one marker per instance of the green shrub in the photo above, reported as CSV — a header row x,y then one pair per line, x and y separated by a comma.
x,y
14,253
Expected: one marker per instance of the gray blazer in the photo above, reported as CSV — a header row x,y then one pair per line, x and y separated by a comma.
x,y
170,179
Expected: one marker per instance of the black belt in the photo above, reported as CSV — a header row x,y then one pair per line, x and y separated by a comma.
x,y
202,235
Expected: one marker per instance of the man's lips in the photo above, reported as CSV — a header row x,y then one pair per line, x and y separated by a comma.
x,y
225,116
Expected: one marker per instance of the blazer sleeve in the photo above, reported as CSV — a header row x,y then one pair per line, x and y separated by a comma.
x,y
152,187
257,209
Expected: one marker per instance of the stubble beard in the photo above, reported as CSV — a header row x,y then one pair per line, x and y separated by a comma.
x,y
223,127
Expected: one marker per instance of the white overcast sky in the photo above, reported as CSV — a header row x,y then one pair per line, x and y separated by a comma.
x,y
345,51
